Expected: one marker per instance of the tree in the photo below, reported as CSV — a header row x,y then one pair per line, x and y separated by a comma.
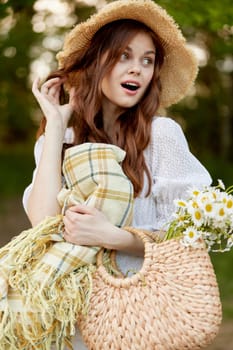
x,y
20,45
210,112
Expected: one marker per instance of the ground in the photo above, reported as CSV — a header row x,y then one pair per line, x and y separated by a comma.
x,y
13,220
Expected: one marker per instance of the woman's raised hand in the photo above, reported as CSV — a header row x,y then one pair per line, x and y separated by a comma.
x,y
48,97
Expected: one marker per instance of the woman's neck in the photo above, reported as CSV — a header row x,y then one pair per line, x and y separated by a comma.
x,y
110,114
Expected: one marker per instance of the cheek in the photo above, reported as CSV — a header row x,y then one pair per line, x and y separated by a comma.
x,y
148,77
105,86
108,84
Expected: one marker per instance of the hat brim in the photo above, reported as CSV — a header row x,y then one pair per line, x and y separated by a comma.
x,y
180,65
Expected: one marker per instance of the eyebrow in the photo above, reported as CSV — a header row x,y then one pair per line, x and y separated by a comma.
x,y
146,52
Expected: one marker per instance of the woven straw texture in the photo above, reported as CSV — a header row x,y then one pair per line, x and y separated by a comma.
x,y
172,303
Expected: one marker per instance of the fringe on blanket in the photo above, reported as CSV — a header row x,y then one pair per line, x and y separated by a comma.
x,y
39,307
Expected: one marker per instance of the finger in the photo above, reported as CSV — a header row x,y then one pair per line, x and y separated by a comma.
x,y
51,82
81,209
36,92
57,94
65,232
72,95
44,89
66,235
67,220
35,85
71,217
54,91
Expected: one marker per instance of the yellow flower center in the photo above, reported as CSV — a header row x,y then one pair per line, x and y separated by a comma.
x,y
196,193
191,234
203,199
208,208
229,204
221,212
197,215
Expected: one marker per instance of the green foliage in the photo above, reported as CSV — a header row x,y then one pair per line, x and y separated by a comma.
x,y
208,116
16,170
17,104
208,15
15,97
16,5
222,264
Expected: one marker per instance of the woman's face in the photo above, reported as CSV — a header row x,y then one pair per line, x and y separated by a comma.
x,y
125,85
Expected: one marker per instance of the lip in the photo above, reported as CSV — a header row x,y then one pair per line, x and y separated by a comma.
x,y
131,92
131,82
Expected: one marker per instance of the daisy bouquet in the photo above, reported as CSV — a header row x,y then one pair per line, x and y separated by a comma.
x,y
207,215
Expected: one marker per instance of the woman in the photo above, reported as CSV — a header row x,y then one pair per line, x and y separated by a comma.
x,y
119,68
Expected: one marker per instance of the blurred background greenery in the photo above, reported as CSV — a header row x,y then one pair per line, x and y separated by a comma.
x,y
31,32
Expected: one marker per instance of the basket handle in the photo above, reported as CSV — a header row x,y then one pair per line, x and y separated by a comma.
x,y
144,235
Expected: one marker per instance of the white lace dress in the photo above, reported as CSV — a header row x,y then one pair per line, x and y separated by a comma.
x,y
173,169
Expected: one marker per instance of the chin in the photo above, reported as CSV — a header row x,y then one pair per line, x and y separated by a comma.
x,y
130,104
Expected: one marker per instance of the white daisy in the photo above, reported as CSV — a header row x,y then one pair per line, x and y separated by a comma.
x,y
180,203
208,208
193,192
228,201
220,212
208,214
202,198
197,216
191,236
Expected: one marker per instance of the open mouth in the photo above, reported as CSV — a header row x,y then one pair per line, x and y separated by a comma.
x,y
130,86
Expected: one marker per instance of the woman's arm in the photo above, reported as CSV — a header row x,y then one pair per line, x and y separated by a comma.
x,y
42,200
47,183
88,226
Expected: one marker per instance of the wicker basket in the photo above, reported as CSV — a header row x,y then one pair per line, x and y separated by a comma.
x,y
172,303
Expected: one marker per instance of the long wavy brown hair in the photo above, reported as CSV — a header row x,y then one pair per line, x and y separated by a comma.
x,y
132,131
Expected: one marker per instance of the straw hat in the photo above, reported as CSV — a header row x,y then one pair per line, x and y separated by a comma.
x,y
180,66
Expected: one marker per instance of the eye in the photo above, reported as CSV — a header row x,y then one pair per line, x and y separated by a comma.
x,y
147,61
124,56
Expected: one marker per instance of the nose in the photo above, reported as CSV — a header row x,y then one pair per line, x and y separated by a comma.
x,y
135,69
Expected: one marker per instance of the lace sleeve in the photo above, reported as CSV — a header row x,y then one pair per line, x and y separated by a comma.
x,y
174,167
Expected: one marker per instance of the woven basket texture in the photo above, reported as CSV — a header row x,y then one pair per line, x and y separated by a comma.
x,y
172,303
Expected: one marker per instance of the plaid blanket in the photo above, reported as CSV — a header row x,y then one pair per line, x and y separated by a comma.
x,y
44,281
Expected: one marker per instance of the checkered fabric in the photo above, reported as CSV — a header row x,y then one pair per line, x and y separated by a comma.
x,y
44,281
